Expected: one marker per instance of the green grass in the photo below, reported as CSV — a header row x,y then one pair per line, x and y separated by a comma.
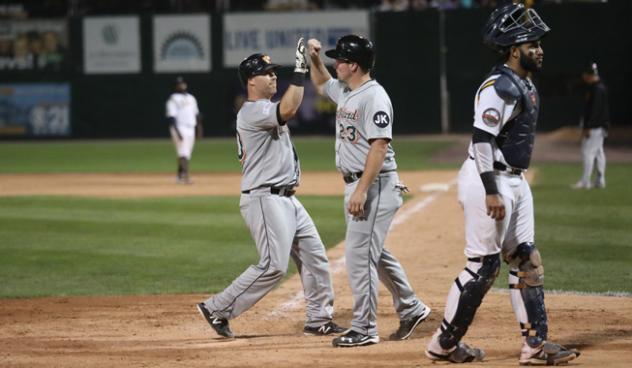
x,y
211,155
585,237
79,246
76,246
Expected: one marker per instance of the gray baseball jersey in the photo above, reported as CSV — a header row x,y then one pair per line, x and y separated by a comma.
x,y
364,114
266,153
279,224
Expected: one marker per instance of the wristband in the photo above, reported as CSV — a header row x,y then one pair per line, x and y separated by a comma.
x,y
298,79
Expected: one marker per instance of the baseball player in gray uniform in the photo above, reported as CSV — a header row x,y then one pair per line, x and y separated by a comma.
x,y
595,124
185,123
497,200
277,220
373,193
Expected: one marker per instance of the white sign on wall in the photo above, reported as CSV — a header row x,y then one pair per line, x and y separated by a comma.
x,y
276,34
182,43
111,45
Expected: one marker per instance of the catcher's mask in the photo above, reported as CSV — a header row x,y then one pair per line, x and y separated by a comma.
x,y
511,25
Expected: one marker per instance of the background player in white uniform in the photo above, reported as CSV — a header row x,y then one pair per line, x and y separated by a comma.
x,y
278,222
373,194
497,200
185,123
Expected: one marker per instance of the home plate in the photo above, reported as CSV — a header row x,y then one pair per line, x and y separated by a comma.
x,y
435,187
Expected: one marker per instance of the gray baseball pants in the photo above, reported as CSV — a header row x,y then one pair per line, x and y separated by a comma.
x,y
280,227
592,151
367,259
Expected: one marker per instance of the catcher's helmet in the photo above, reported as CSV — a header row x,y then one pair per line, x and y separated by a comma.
x,y
511,25
354,48
255,64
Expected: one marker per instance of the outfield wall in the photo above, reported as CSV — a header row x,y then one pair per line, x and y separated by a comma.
x,y
131,104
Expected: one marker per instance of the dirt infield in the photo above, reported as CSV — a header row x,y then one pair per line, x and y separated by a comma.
x,y
160,185
166,331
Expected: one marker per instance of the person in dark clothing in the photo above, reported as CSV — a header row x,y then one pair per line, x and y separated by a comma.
x,y
596,120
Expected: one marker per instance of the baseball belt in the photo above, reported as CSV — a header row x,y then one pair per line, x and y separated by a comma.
x,y
280,191
357,175
504,168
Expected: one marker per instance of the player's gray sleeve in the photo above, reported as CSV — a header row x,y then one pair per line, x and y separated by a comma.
x,y
333,89
484,159
378,116
483,150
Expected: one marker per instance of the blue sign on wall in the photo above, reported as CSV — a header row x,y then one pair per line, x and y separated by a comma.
x,y
29,109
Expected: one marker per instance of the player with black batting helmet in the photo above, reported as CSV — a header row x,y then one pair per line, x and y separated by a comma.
x,y
373,192
281,227
491,181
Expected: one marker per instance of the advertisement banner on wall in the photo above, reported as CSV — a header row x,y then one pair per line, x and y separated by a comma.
x,y
111,45
33,45
182,43
35,110
276,34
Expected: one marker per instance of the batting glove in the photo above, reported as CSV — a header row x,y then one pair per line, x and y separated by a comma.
x,y
301,59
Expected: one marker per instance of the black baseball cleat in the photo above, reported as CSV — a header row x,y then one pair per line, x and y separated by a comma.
x,y
352,338
407,326
220,325
328,328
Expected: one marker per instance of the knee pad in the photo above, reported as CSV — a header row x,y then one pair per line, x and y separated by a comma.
x,y
528,261
528,292
472,293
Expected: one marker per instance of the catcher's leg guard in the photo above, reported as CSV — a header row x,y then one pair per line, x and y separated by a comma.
x,y
526,279
467,293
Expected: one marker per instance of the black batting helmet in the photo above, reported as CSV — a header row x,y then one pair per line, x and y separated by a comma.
x,y
255,64
511,25
354,48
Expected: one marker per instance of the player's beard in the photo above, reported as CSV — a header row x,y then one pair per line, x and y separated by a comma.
x,y
529,63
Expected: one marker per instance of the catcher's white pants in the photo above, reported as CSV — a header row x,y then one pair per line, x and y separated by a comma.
x,y
592,152
484,235
183,142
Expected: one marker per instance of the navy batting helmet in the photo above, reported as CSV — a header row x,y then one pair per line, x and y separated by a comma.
x,y
354,48
255,64
511,25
